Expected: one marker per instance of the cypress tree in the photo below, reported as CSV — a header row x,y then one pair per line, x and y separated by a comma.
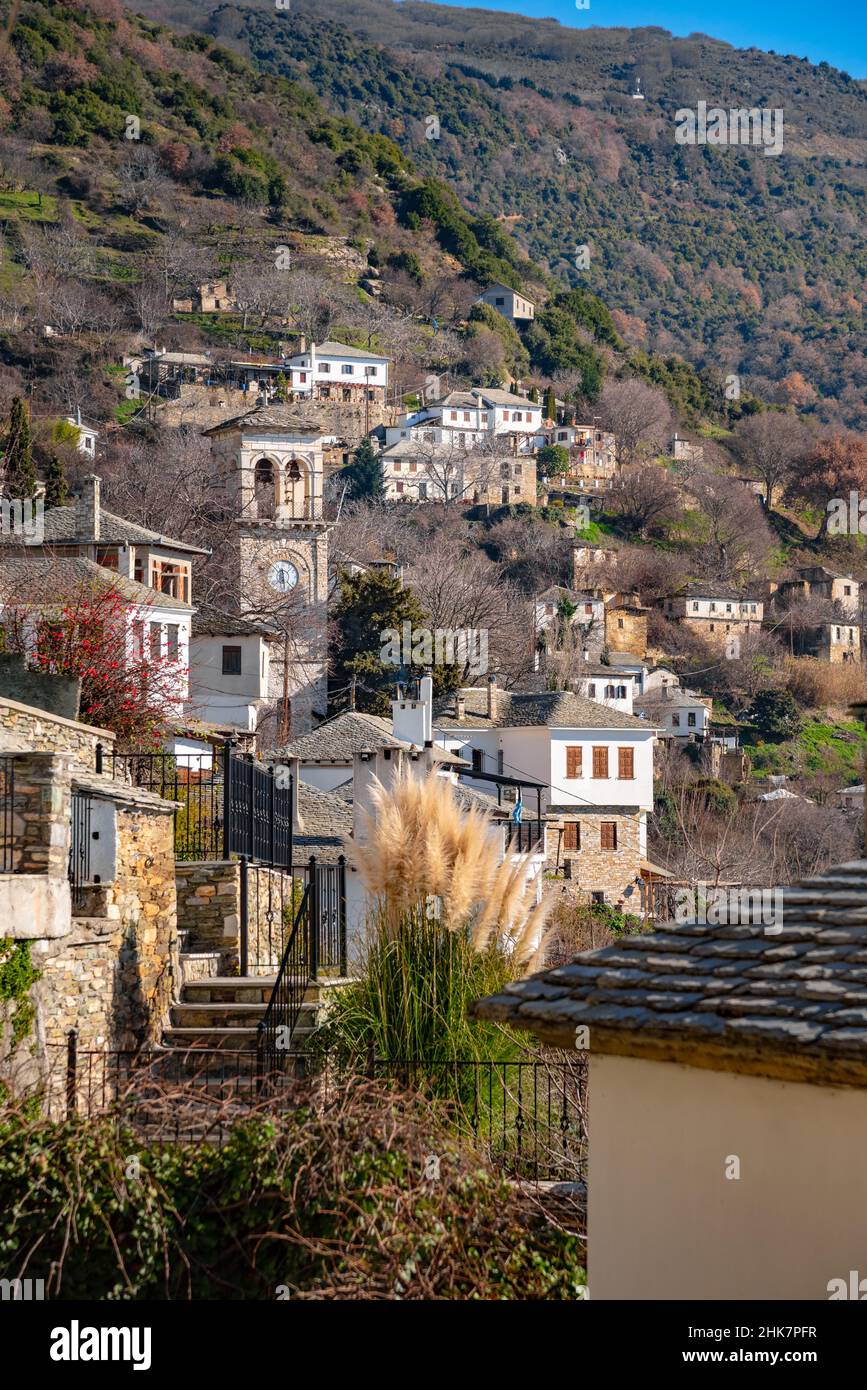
x,y
550,405
56,490
18,461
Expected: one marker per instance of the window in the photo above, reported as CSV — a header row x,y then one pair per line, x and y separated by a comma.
x,y
398,487
608,834
173,645
573,761
413,467
712,627
370,371
231,661
621,692
588,609
454,415
597,896
155,640
499,762
477,760
728,608
499,301
625,764
138,639
695,608
690,720
619,622
675,721
847,589
600,762
609,692
302,377
346,369
591,690
571,835
466,415
325,366
422,492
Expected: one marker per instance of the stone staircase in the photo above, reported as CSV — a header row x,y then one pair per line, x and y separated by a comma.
x,y
222,1013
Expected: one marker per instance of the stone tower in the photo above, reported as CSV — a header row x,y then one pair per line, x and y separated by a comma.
x,y
271,461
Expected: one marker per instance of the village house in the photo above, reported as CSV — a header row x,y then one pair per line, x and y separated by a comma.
x,y
832,641
337,372
592,766
684,451
211,297
165,372
677,712
733,1060
715,612
512,304
592,454
816,581
88,435
558,609
463,419
626,619
230,668
588,559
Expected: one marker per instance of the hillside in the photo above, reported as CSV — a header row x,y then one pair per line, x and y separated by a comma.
x,y
739,262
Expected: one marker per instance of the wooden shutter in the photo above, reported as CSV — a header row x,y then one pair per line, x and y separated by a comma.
x,y
625,763
600,762
608,834
573,761
571,835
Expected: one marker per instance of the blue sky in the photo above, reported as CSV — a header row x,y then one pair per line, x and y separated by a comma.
x,y
835,32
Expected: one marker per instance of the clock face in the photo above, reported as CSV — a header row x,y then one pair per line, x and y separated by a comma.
x,y
283,576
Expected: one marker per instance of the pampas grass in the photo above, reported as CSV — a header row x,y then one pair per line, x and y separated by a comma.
x,y
419,845
449,922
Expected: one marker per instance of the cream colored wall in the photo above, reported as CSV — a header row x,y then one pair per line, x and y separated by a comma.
x,y
666,1223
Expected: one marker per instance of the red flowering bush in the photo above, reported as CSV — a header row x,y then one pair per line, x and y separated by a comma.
x,y
96,635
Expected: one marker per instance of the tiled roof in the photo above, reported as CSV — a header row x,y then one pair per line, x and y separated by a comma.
x,y
714,590
558,709
790,1003
62,525
35,579
497,397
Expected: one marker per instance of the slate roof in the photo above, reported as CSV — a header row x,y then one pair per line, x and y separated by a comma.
x,y
285,418
498,397
213,622
62,526
332,349
791,1004
338,740
326,819
556,709
714,590
34,579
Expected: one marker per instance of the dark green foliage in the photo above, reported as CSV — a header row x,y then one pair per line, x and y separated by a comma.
x,y
363,475
17,977
19,468
56,489
775,715
552,459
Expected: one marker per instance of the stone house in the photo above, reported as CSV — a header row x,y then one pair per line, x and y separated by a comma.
x,y
592,455
592,765
211,297
716,613
833,641
512,304
626,620
87,884
816,581
732,1060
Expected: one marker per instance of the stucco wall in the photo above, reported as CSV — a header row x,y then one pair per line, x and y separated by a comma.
x,y
666,1223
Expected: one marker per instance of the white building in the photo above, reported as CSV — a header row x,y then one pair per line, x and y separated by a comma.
x,y
88,436
677,712
230,660
510,303
337,372
463,419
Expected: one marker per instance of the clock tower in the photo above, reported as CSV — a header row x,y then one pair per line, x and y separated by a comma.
x,y
271,461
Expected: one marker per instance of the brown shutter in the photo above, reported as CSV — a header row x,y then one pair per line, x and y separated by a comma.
x,y
625,763
571,835
608,834
573,761
600,762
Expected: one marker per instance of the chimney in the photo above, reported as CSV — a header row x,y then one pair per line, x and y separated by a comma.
x,y
126,561
460,708
87,509
294,766
425,695
302,343
492,697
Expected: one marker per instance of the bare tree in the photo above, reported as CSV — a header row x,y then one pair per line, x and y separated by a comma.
x,y
738,541
771,445
141,180
639,416
642,496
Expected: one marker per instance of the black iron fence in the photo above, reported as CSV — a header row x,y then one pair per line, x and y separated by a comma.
x,y
7,815
229,803
527,1116
274,1041
327,912
270,899
79,848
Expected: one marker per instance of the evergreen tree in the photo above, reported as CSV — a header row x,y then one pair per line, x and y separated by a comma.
x,y
56,490
534,395
364,474
18,453
550,404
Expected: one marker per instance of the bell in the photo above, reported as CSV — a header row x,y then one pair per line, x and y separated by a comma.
x,y
294,472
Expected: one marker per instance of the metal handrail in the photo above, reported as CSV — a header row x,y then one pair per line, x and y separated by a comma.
x,y
281,1015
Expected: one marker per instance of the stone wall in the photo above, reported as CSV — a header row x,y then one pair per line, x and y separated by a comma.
x,y
208,405
209,909
626,631
23,727
598,870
